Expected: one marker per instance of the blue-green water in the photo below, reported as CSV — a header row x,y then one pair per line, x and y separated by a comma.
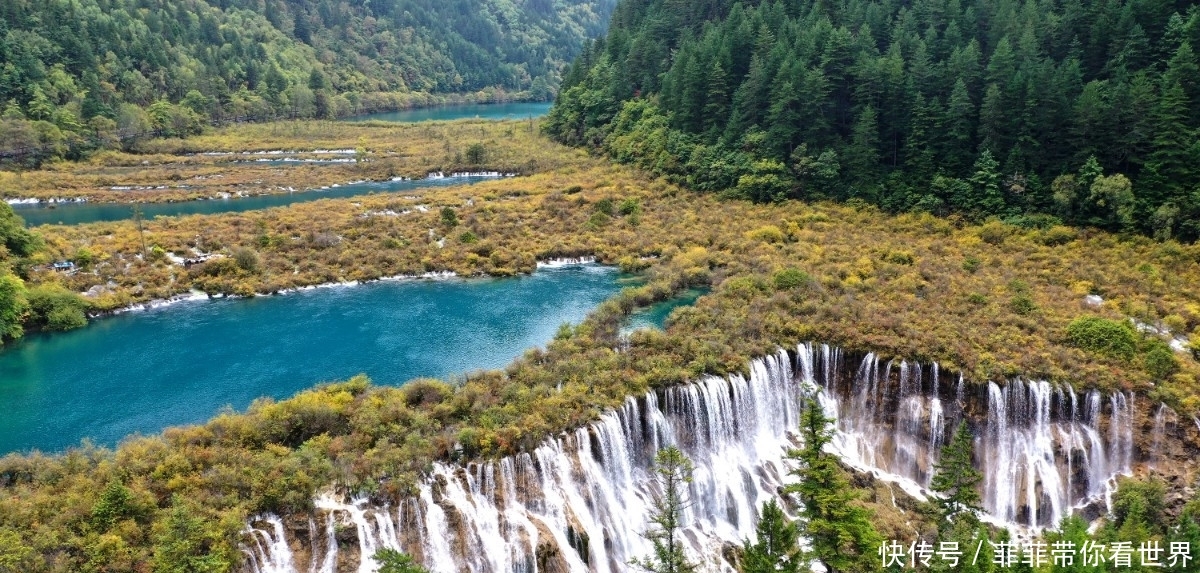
x,y
79,213
655,316
143,371
465,111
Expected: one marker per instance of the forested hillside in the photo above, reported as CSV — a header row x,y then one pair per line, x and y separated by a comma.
x,y
1036,111
79,73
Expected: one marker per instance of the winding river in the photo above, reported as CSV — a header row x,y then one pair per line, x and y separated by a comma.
x,y
146,370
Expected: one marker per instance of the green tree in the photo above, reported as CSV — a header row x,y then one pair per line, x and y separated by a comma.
x,y
392,561
766,181
1114,338
15,555
476,154
14,236
184,543
13,307
115,504
861,156
959,125
986,199
1074,530
673,473
835,522
955,479
54,307
1113,202
1186,530
777,548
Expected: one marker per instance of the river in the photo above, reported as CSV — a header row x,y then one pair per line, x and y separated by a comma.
x,y
80,213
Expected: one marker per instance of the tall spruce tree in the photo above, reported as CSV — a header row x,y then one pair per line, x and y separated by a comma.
x,y
838,526
955,479
673,472
777,549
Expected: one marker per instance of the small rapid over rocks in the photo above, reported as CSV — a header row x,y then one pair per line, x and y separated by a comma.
x,y
581,501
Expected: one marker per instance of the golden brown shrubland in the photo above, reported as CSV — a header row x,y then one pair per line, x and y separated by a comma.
x,y
991,300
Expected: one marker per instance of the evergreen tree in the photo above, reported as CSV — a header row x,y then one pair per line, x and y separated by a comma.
x,y
1171,170
833,520
986,199
861,156
777,548
716,104
392,561
959,129
955,479
673,473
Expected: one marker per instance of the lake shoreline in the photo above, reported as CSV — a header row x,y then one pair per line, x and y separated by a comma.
x,y
153,370
198,295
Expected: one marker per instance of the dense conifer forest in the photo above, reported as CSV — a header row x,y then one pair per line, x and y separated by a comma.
x,y
1034,111
81,74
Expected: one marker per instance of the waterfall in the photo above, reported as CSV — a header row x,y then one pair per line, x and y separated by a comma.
x,y
271,553
1163,417
1040,456
581,501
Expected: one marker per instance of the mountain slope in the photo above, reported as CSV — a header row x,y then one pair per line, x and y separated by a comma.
x,y
1010,108
69,62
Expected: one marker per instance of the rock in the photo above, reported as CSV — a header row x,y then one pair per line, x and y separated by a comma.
x,y
1093,300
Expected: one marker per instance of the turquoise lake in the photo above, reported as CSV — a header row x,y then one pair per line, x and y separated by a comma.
x,y
142,371
522,110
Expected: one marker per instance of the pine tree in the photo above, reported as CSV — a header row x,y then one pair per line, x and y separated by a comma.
x,y
1171,169
959,127
839,528
673,473
919,156
955,479
716,101
986,199
861,156
777,549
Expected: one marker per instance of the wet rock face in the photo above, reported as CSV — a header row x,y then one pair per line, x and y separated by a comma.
x,y
580,502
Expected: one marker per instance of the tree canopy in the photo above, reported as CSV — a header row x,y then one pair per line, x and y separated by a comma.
x,y
1031,111
76,74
